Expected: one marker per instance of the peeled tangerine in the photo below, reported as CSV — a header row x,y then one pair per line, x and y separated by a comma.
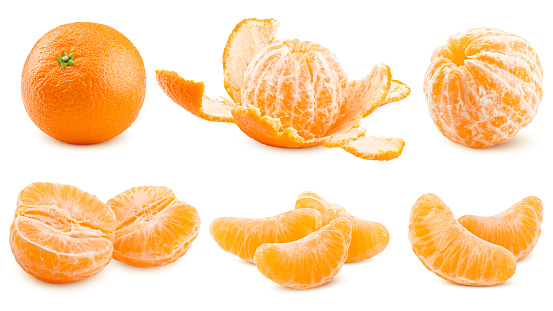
x,y
483,86
449,250
153,227
368,238
291,94
60,233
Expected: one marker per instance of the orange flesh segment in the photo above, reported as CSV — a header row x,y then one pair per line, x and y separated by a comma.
x,y
451,251
309,262
517,229
246,40
242,236
190,95
153,227
60,233
375,148
368,238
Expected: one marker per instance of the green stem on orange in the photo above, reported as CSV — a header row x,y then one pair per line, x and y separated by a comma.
x,y
66,59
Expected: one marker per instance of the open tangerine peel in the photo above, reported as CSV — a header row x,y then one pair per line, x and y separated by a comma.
x,y
291,93
153,227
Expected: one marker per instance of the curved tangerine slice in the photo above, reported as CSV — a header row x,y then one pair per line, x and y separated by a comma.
x,y
248,37
153,227
368,238
517,229
308,262
451,251
190,96
242,236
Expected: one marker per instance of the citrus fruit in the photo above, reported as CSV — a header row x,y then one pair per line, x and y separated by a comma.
x,y
483,86
451,251
309,262
517,229
292,94
153,227
242,236
60,233
83,83
368,238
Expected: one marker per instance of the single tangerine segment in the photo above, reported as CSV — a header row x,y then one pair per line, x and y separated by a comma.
x,y
60,233
153,227
451,251
309,262
242,236
368,238
483,86
517,228
291,93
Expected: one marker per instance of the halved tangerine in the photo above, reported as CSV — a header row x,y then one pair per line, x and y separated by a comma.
x,y
309,262
153,227
451,251
368,238
60,233
242,236
291,93
517,229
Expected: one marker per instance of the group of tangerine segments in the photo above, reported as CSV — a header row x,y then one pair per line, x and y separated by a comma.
x,y
62,234
473,250
291,94
302,248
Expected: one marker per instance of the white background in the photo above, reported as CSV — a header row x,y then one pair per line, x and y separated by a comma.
x,y
222,172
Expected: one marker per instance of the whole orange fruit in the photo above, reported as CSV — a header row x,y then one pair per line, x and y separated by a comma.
x,y
83,83
483,86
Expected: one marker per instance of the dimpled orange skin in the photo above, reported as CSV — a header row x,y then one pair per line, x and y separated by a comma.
x,y
483,86
91,101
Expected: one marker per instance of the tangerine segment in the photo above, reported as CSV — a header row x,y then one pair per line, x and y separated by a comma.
x,y
242,236
60,233
246,40
153,227
190,95
368,238
483,86
375,148
451,251
308,262
517,229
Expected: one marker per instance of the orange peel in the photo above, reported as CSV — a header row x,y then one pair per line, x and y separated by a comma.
x,y
292,94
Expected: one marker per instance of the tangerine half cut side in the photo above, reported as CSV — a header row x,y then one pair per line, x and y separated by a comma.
x,y
60,233
153,227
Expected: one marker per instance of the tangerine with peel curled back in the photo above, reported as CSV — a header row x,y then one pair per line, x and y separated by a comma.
x,y
242,236
483,86
451,251
60,233
368,238
517,229
293,94
309,262
153,227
